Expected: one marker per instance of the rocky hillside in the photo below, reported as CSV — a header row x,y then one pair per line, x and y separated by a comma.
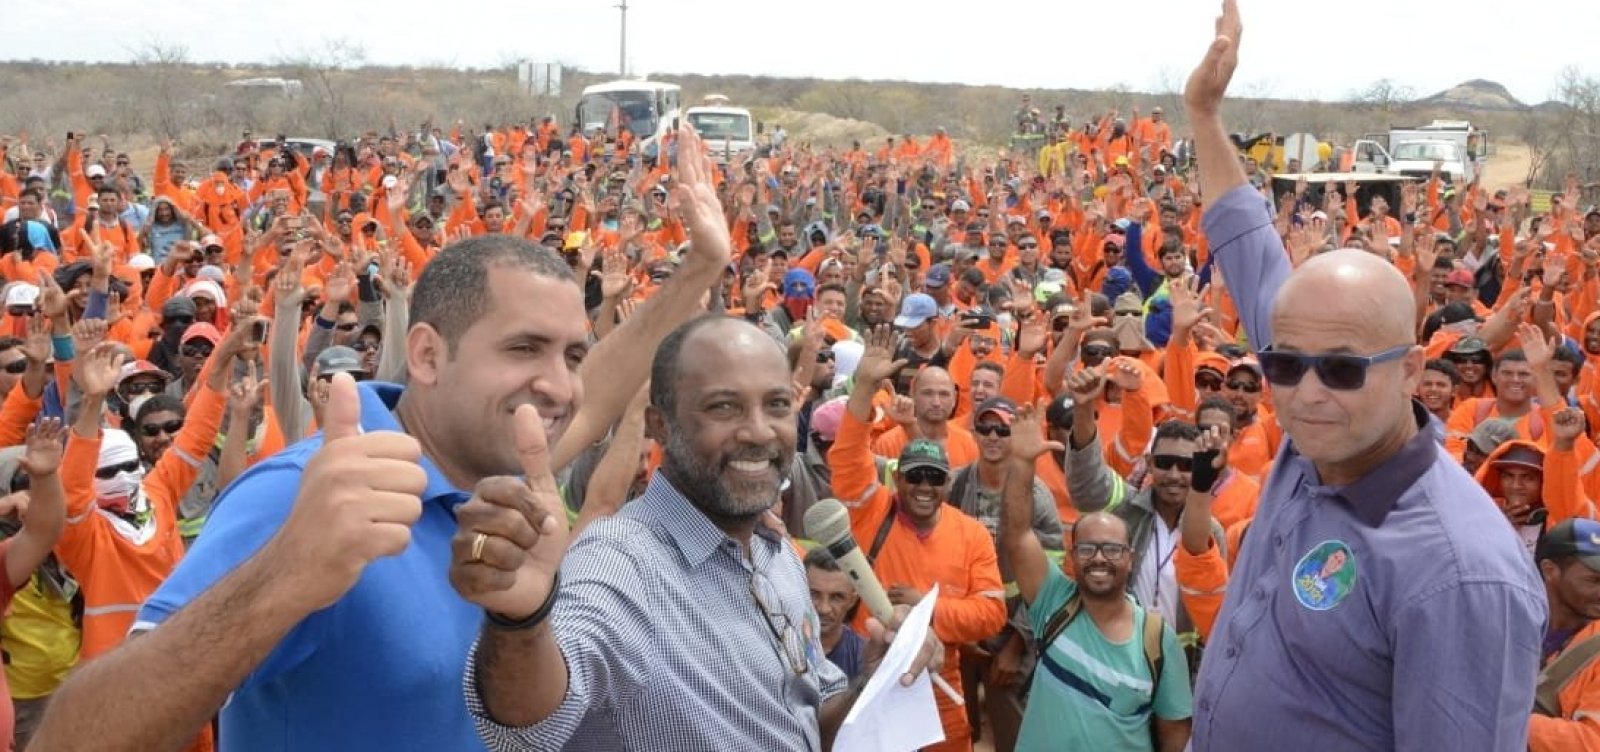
x,y
1476,94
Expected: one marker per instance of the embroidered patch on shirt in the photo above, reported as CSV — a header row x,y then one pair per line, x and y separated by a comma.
x,y
1324,576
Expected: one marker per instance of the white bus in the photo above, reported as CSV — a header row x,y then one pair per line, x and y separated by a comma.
x,y
647,108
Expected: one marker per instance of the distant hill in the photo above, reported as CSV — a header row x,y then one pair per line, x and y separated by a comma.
x,y
1476,94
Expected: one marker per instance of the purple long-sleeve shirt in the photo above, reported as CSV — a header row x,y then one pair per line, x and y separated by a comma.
x,y
1398,612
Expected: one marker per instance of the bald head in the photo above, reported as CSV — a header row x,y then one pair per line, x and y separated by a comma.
x,y
1098,526
1352,283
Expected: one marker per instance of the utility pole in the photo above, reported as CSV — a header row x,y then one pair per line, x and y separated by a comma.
x,y
622,57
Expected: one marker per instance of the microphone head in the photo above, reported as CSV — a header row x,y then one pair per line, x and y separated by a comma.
x,y
827,522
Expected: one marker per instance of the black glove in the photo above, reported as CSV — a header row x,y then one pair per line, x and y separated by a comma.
x,y
1204,473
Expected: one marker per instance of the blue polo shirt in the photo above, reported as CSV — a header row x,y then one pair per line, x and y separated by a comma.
x,y
379,669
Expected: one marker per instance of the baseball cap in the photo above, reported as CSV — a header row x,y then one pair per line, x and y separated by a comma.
x,y
1059,413
1521,456
1002,408
915,309
140,368
211,241
1116,240
1042,214
203,331
140,262
1247,362
960,205
22,294
1470,346
95,171
938,276
923,453
1578,537
1460,278
1122,161
339,359
1490,434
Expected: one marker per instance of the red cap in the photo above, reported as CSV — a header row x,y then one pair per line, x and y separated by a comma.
x,y
1460,277
1116,240
203,331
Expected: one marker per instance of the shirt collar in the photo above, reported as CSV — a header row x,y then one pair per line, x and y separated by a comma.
x,y
378,401
1377,492
691,531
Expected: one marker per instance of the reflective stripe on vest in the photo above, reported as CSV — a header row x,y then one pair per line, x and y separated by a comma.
x,y
190,528
115,608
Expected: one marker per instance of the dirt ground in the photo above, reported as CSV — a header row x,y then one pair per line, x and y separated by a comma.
x,y
1508,166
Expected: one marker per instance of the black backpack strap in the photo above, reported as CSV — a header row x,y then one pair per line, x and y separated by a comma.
x,y
883,535
1059,621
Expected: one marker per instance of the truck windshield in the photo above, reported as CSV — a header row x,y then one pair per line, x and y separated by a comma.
x,y
1423,151
721,126
634,109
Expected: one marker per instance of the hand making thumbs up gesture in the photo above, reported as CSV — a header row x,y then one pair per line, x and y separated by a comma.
x,y
359,497
513,532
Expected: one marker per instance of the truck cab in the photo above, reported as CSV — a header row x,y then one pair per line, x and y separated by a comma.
x,y
728,131
1459,148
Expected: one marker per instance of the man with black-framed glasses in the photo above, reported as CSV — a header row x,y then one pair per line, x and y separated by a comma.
x,y
1368,536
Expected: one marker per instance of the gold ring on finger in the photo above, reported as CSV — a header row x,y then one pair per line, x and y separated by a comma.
x,y
477,548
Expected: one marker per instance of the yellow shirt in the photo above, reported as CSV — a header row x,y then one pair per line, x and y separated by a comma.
x,y
40,640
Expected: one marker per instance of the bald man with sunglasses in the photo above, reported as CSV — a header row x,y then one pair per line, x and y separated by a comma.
x,y
1378,603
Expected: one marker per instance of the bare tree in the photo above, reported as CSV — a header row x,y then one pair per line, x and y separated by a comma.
x,y
164,72
324,71
1383,96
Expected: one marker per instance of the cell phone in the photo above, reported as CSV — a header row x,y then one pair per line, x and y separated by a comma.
x,y
71,135
980,320
258,332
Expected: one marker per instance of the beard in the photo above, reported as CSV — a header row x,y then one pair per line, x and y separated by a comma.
x,y
709,489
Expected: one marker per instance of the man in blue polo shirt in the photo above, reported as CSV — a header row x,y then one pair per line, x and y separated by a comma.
x,y
328,621
1380,602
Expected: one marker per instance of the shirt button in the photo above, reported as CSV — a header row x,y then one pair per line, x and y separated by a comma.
x,y
1277,541
1233,652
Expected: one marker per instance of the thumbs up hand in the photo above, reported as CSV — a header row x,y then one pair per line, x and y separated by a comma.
x,y
513,532
358,498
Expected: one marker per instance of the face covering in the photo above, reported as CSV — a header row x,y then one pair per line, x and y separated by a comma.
x,y
122,495
797,307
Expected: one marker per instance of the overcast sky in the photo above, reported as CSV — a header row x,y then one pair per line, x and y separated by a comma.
x,y
1427,45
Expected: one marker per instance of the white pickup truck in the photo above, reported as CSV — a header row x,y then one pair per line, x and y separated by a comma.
x,y
1459,148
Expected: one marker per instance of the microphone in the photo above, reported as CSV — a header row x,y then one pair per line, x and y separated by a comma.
x,y
828,523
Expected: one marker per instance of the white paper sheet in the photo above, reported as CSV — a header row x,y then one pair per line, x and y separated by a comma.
x,y
888,717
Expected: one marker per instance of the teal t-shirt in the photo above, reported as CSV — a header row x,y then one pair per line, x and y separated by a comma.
x,y
1091,693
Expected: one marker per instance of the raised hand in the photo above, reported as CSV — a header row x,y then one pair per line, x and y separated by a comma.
x,y
96,370
359,496
46,441
1209,82
88,333
1123,374
37,347
1032,335
1535,347
1027,434
698,203
902,410
877,360
1085,386
52,301
339,284
512,533
1188,303
244,394
1569,425
615,282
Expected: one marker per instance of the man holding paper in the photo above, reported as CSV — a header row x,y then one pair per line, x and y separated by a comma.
x,y
1110,674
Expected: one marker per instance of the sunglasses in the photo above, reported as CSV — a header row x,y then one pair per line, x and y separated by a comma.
x,y
1027,246
1098,351
328,377
993,429
170,428
17,367
1183,463
1208,382
926,476
825,356
143,387
1339,372
1130,313
111,471
1248,387
1111,551
196,351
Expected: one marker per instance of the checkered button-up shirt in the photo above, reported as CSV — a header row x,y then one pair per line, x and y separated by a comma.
x,y
674,640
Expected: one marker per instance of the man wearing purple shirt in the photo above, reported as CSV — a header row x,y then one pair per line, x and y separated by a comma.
x,y
1380,600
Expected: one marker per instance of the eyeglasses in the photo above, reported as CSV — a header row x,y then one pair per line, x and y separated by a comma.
x,y
993,429
170,428
111,471
1183,463
1208,382
1097,351
17,367
197,351
926,476
1248,387
790,643
1027,246
1111,551
142,387
1340,372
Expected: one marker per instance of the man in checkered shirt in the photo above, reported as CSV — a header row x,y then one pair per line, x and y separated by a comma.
x,y
685,621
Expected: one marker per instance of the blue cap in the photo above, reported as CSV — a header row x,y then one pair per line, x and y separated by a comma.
x,y
915,309
1118,281
798,283
938,276
1577,536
